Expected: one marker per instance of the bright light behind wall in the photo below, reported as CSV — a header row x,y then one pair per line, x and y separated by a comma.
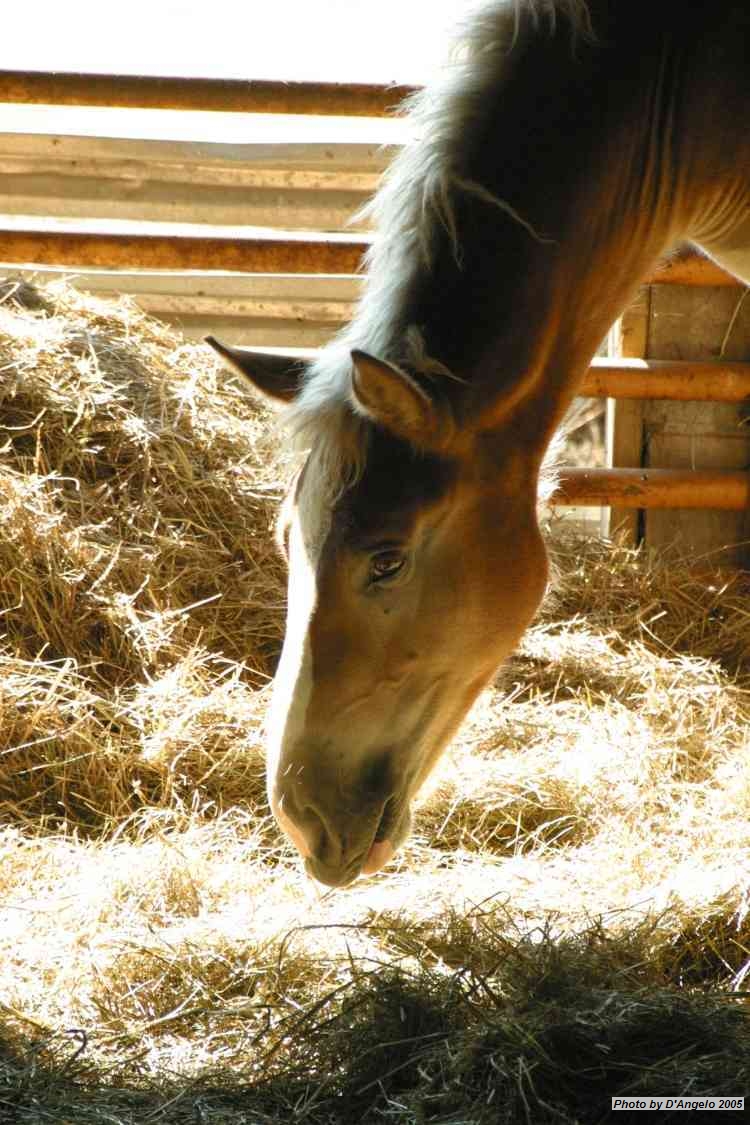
x,y
343,40
303,40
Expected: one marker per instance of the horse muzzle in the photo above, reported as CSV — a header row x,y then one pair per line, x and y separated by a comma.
x,y
337,851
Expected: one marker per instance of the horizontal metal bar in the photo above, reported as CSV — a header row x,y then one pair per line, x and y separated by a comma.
x,y
680,381
334,254
653,488
79,248
689,268
130,91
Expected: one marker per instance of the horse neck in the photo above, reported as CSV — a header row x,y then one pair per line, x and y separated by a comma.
x,y
586,153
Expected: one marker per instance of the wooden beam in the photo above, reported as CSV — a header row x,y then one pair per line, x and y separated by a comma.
x,y
623,434
697,325
653,488
680,381
130,91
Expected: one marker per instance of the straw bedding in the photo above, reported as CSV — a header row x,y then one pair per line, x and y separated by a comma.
x,y
569,920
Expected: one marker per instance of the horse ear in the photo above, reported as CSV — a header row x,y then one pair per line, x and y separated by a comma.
x,y
277,377
393,399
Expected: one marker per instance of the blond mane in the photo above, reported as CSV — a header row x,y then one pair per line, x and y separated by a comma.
x,y
412,210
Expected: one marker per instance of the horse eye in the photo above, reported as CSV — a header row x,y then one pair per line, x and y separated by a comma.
x,y
386,564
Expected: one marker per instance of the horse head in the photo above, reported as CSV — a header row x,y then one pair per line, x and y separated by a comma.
x,y
415,564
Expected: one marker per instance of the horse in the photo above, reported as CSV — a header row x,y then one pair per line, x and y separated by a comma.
x,y
566,147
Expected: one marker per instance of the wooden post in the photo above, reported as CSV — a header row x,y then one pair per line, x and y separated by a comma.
x,y
624,419
698,323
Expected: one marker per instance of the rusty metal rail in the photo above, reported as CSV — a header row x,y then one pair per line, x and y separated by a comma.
x,y
677,380
688,268
130,91
647,488
728,489
80,248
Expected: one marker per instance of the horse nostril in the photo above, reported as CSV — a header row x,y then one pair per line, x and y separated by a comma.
x,y
337,828
291,827
309,830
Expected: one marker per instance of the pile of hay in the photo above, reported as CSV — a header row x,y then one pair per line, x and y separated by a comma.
x,y
570,919
142,595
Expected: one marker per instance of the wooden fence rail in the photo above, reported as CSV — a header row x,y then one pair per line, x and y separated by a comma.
x,y
282,181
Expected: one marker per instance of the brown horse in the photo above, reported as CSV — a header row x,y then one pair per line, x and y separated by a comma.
x,y
568,146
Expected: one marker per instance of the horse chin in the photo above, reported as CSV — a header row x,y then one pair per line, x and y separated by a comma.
x,y
380,854
328,876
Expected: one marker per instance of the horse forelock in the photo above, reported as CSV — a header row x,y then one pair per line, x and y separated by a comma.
x,y
334,438
323,421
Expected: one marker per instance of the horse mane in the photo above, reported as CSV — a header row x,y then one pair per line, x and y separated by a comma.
x,y
411,211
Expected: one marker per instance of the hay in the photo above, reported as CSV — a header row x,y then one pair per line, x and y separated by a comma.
x,y
570,918
135,492
141,592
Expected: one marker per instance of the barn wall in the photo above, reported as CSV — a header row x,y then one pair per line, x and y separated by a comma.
x,y
686,323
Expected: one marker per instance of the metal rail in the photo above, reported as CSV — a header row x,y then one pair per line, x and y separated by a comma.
x,y
131,91
677,380
77,247
727,489
80,248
